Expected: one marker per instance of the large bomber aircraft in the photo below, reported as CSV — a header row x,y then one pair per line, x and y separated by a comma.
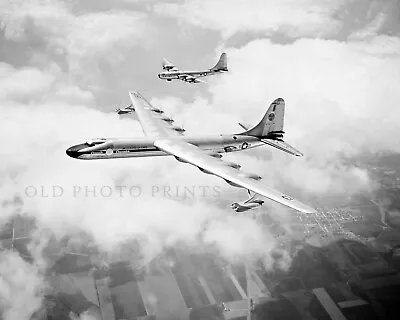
x,y
171,72
163,138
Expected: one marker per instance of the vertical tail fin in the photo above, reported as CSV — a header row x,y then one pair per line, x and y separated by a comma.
x,y
166,65
222,64
270,129
271,125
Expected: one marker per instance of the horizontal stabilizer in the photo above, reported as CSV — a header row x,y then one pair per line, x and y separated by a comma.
x,y
282,145
166,65
199,81
244,126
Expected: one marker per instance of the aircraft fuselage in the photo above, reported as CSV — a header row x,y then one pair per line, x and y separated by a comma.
x,y
112,148
170,75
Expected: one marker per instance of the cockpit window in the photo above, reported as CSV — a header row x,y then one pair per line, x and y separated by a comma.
x,y
95,141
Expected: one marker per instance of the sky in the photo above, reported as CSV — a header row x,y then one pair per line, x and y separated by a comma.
x,y
66,65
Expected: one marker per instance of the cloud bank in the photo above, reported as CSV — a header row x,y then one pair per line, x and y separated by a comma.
x,y
341,97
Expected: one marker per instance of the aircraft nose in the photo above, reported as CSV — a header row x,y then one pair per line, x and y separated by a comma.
x,y
73,152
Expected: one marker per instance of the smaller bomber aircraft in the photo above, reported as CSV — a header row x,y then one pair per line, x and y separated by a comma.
x,y
173,73
249,204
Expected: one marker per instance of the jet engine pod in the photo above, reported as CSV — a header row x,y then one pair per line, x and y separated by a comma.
x,y
235,206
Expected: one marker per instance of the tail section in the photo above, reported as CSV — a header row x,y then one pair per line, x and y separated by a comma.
x,y
222,64
271,125
270,129
166,65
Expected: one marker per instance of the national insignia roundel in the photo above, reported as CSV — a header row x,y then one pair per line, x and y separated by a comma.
x,y
271,116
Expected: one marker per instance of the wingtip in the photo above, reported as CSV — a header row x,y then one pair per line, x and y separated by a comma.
x,y
134,92
310,211
297,205
307,209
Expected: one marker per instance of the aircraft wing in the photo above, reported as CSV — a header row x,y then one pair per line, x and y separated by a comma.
x,y
189,153
153,120
192,79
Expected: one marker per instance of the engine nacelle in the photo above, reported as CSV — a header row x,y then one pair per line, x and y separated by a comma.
x,y
178,129
233,184
167,119
252,176
233,165
157,110
215,155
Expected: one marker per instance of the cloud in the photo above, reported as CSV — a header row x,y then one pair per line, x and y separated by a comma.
x,y
199,116
23,83
35,165
381,17
68,196
340,102
325,83
291,17
21,287
87,44
251,242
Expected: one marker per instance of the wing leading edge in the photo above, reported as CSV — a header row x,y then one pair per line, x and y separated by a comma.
x,y
153,121
195,156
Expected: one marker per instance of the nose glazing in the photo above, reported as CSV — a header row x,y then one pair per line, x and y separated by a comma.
x,y
73,152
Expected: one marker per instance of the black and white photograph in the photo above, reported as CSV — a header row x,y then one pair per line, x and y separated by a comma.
x,y
199,159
